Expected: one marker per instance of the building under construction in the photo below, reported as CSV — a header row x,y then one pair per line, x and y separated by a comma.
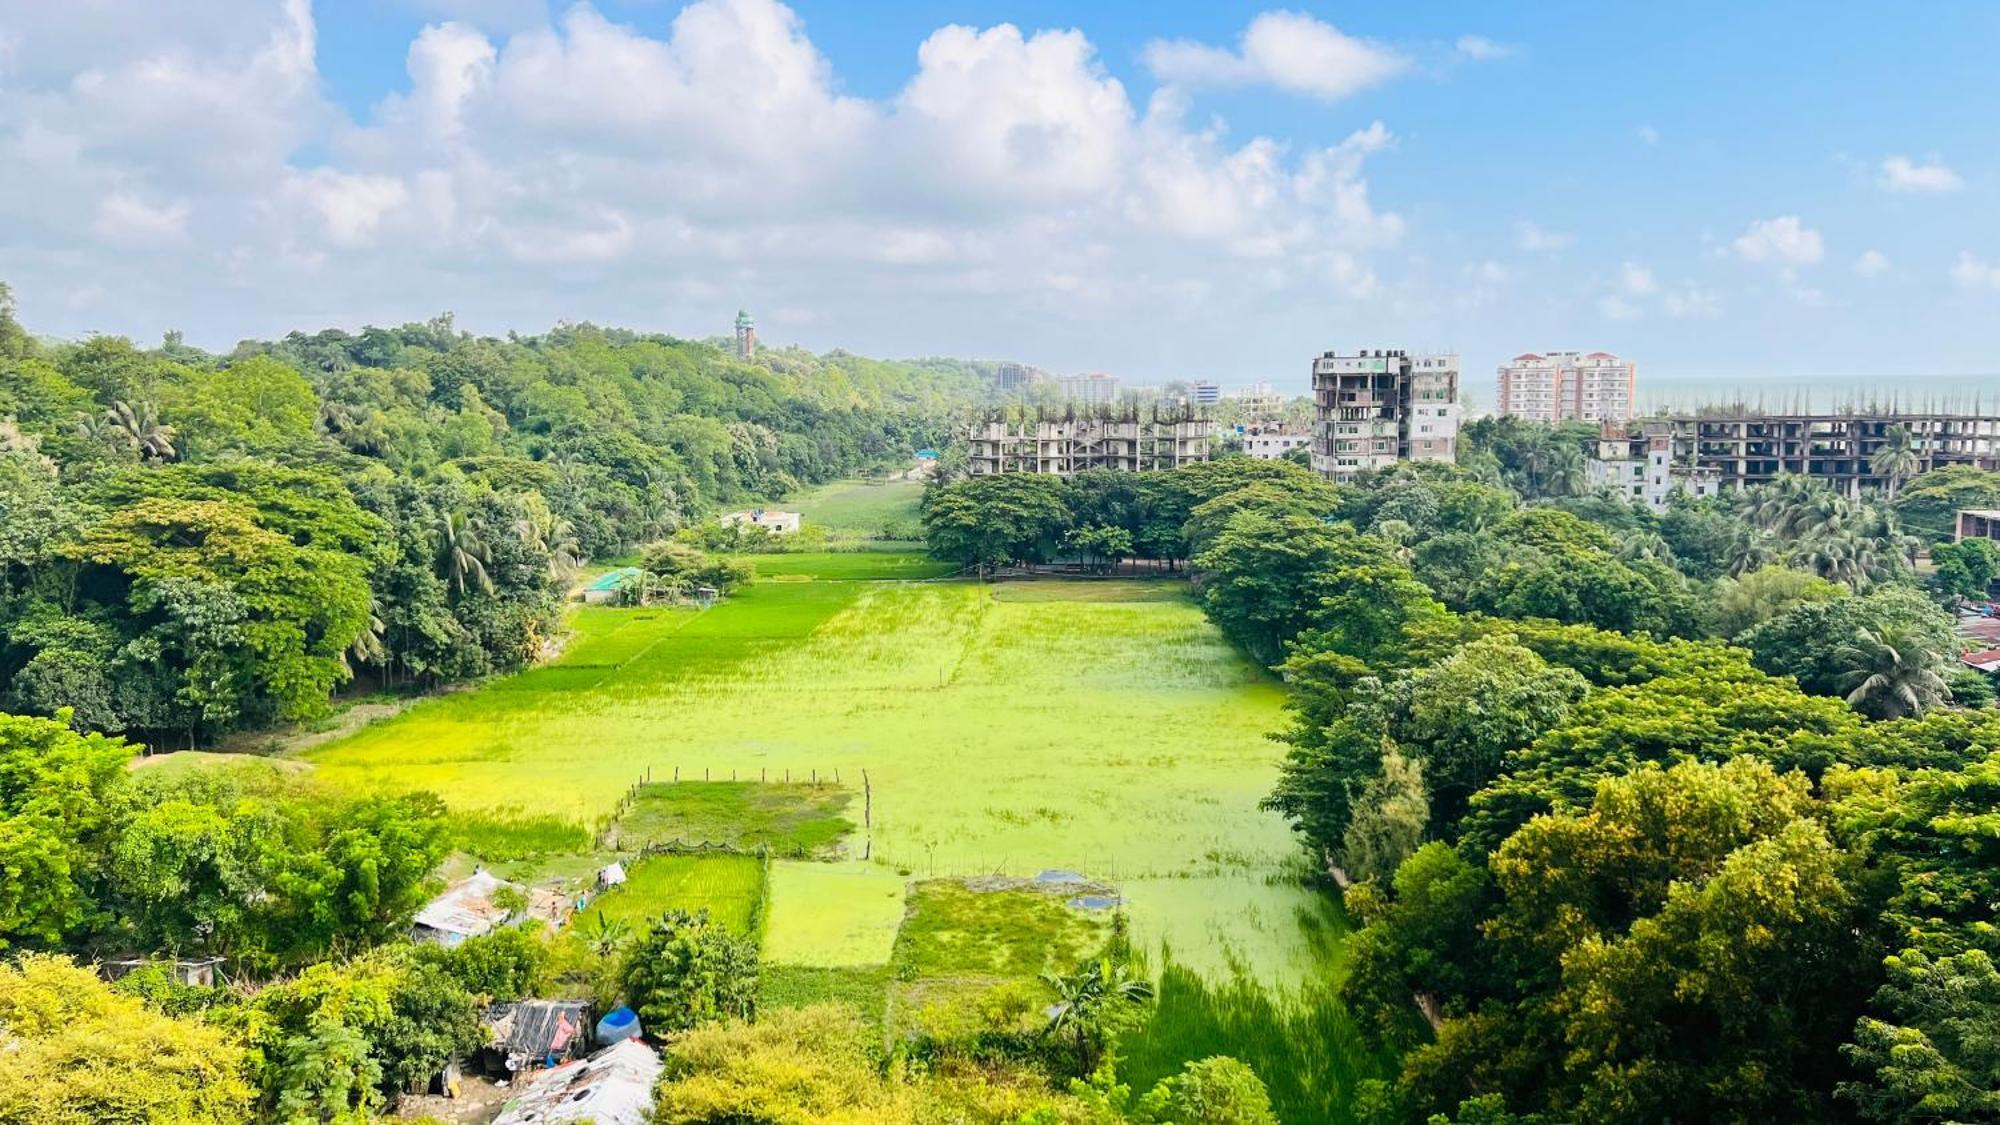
x,y
1749,447
1127,439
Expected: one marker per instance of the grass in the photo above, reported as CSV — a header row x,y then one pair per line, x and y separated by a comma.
x,y
1103,727
832,915
860,509
851,566
798,821
864,989
969,928
499,837
729,887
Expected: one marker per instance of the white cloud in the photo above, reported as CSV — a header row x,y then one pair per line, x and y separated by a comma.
x,y
1534,239
1783,241
587,168
1900,173
124,219
1649,135
1289,50
1975,273
1613,307
1637,280
1871,263
1478,48
1692,302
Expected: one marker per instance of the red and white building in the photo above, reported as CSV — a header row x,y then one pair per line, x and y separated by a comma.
x,y
1559,386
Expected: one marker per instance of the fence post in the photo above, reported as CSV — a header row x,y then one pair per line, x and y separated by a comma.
x,y
677,775
704,773
867,802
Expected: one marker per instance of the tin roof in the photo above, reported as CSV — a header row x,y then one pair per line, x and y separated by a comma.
x,y
612,1087
466,907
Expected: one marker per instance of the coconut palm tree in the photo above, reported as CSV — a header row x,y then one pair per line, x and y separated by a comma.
x,y
1748,549
1896,459
462,553
1893,671
1568,472
369,647
1088,1000
142,430
539,528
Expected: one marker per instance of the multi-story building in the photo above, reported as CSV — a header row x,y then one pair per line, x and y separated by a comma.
x,y
1268,443
1258,400
1559,386
1074,441
1092,389
1376,408
1013,378
746,335
1837,449
1642,468
1205,393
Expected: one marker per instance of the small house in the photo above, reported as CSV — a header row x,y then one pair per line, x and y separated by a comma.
x,y
770,519
612,1087
466,909
533,1034
611,586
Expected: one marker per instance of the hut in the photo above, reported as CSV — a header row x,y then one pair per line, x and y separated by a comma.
x,y
612,1087
467,909
612,586
532,1034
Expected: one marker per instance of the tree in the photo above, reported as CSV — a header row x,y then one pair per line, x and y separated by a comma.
x,y
141,430
1966,569
1751,599
1894,670
679,566
1217,1090
1092,1005
1936,1057
1896,459
462,553
56,825
687,971
78,1051
988,522
1391,814
1104,546
1929,505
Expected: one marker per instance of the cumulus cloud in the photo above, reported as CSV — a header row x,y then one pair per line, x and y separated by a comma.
x,y
1783,241
1637,280
1691,302
638,173
1533,238
1901,174
1648,135
1871,263
1613,307
1290,50
1971,272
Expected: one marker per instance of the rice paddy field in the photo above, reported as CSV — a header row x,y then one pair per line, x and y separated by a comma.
x,y
1100,727
860,508
729,887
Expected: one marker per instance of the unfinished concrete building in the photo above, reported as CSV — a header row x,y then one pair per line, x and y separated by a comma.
x,y
1074,440
1747,448
1376,408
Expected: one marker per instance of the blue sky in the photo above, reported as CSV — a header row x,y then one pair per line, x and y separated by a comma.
x,y
1158,190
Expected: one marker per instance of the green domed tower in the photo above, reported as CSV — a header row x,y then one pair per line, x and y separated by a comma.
x,y
746,335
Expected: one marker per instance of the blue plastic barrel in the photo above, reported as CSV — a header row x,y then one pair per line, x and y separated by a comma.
x,y
618,1026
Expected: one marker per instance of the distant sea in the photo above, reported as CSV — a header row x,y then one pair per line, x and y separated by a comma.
x,y
1794,393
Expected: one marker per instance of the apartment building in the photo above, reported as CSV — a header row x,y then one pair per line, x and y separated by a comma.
x,y
1094,388
1375,408
1205,393
1072,442
1268,443
1560,386
1641,466
1748,448
1014,378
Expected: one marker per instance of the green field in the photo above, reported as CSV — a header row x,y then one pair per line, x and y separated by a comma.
x,y
729,887
1104,728
799,821
859,509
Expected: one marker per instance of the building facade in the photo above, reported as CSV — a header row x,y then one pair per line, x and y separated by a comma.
x,y
1013,378
1092,389
1746,449
1560,386
1375,408
746,335
1205,393
1268,443
1641,467
1258,400
1072,443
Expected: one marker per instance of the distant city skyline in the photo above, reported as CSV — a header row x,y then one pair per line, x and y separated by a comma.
x,y
1160,192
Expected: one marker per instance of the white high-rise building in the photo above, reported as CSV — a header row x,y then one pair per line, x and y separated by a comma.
x,y
1559,386
1376,408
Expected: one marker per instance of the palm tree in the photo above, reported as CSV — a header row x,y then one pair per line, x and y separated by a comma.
x,y
539,528
142,431
1893,671
1896,459
1087,1000
1568,472
608,935
1636,545
1749,549
368,646
462,554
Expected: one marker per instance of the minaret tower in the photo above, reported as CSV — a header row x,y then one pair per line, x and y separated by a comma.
x,y
746,335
